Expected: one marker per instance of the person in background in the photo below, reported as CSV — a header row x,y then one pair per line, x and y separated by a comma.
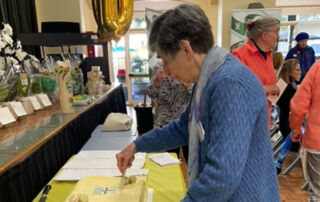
x,y
306,102
290,73
171,99
263,34
277,61
227,104
302,52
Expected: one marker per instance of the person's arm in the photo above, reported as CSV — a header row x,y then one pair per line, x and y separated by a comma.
x,y
301,101
168,137
234,111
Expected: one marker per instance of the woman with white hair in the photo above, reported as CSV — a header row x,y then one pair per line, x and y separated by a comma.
x,y
263,34
225,122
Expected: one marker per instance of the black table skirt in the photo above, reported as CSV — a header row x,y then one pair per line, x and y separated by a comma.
x,y
25,180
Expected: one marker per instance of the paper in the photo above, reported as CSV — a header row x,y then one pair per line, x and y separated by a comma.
x,y
150,195
105,154
18,109
282,85
164,159
34,101
73,174
45,100
5,116
100,163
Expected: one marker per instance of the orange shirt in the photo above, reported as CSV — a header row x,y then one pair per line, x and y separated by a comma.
x,y
249,55
306,101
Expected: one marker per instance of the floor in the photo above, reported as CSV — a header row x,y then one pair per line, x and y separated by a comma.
x,y
289,184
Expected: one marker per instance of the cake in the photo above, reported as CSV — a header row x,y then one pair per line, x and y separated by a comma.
x,y
108,189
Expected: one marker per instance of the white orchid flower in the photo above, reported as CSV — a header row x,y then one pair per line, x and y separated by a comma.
x,y
7,30
18,45
20,54
7,39
9,50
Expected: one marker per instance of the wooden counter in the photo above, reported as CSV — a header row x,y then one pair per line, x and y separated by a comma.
x,y
48,138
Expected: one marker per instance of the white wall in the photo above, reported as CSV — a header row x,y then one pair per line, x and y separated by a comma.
x,y
58,10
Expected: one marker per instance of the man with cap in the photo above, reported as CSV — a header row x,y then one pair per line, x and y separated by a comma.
x,y
302,52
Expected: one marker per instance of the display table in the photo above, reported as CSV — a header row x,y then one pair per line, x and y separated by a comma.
x,y
34,149
167,183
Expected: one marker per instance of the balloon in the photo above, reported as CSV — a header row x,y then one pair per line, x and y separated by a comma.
x,y
113,18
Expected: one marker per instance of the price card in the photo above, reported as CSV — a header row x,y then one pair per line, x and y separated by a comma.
x,y
24,79
18,109
5,116
45,100
34,101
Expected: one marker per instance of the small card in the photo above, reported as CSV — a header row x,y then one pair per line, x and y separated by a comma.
x,y
5,116
35,103
282,85
164,159
44,99
18,109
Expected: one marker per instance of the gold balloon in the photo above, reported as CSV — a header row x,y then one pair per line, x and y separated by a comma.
x,y
113,18
125,18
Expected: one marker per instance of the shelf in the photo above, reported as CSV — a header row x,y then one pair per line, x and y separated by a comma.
x,y
58,39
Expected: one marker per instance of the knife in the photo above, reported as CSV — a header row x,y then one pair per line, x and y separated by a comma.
x,y
45,192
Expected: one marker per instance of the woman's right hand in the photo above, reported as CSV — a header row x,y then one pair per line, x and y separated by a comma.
x,y
272,90
159,78
126,157
296,135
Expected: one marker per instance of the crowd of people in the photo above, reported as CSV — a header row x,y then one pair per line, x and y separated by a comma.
x,y
226,121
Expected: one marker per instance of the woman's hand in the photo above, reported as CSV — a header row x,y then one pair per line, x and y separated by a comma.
x,y
160,77
272,90
126,157
296,135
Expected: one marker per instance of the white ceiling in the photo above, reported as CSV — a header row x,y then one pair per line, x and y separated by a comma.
x,y
297,2
141,5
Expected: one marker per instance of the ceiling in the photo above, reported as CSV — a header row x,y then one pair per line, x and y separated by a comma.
x,y
297,2
141,5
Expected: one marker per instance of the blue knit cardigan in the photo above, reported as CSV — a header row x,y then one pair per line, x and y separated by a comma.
x,y
235,157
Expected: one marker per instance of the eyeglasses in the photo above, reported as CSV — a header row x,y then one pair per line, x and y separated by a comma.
x,y
276,32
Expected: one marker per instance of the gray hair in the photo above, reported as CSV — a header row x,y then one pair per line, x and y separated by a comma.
x,y
259,25
185,22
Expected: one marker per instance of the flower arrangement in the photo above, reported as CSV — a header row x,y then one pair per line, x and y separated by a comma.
x,y
11,56
63,70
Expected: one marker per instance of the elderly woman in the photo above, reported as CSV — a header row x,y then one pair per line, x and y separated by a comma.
x,y
302,52
225,122
263,34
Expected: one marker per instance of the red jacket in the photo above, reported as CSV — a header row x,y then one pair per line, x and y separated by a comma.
x,y
249,55
306,101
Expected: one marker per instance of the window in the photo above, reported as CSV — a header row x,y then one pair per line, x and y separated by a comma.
x,y
130,61
303,23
